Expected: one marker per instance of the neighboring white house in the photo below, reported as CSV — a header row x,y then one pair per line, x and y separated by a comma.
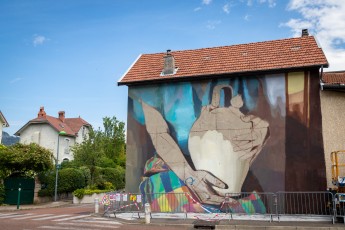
x,y
3,123
49,132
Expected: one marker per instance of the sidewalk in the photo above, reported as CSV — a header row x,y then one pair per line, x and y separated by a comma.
x,y
208,222
240,224
203,221
6,208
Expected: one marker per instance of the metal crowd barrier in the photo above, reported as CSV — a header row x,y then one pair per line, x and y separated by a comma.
x,y
339,206
250,203
266,205
306,204
115,202
168,202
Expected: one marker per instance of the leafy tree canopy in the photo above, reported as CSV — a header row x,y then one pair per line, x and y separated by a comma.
x,y
102,147
25,159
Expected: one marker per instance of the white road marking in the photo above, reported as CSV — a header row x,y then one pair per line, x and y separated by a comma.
x,y
62,228
89,225
30,216
7,215
72,218
51,217
98,222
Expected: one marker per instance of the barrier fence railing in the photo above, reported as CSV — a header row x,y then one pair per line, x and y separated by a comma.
x,y
339,206
310,204
115,202
267,205
250,203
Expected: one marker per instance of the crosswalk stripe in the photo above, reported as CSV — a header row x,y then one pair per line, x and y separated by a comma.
x,y
89,225
72,218
31,216
98,222
51,217
9,214
62,228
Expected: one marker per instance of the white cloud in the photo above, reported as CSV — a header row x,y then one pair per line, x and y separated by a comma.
x,y
39,40
226,8
271,3
326,20
212,24
246,17
197,9
249,2
206,2
15,80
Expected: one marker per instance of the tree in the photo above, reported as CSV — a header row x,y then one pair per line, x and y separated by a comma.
x,y
25,159
89,153
102,146
114,140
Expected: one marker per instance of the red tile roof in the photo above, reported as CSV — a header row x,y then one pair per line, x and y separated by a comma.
x,y
3,119
336,77
70,125
244,58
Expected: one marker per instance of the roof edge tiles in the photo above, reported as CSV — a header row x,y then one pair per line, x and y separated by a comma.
x,y
3,119
266,56
129,68
70,125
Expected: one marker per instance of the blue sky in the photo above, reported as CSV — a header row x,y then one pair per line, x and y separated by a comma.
x,y
69,54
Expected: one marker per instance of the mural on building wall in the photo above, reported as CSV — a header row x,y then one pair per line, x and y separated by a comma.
x,y
212,138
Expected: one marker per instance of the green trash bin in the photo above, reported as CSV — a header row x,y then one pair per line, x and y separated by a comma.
x,y
12,184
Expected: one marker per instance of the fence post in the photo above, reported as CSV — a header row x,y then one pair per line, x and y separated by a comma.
x,y
18,201
334,201
96,205
276,205
147,213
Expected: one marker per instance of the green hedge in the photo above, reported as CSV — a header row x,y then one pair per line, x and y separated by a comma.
x,y
69,180
2,193
116,176
79,193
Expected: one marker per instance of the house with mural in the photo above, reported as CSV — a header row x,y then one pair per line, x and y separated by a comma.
x,y
55,133
3,123
229,119
332,96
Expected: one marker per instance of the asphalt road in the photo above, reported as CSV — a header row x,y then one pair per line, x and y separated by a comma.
x,y
74,217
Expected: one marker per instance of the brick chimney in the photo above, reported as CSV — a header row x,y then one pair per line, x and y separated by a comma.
x,y
305,33
41,113
62,116
169,64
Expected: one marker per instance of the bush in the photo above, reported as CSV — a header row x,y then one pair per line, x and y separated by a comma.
x,y
105,162
68,164
44,193
79,193
86,174
2,193
114,175
69,180
47,180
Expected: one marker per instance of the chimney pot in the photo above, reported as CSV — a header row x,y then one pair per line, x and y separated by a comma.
x,y
41,113
305,33
62,116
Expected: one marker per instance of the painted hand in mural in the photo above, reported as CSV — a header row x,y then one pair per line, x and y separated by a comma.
x,y
201,182
225,141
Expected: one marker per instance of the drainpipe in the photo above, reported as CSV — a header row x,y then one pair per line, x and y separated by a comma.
x,y
320,77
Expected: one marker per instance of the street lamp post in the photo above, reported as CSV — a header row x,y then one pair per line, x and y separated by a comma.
x,y
57,163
